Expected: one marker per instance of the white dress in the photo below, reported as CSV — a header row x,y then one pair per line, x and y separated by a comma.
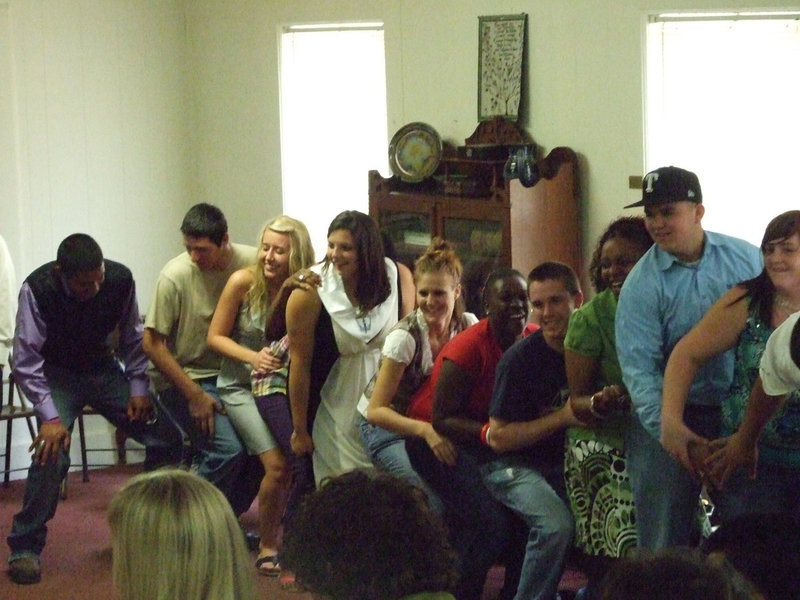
x,y
337,445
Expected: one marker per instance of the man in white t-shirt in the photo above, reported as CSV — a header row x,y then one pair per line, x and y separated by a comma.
x,y
183,368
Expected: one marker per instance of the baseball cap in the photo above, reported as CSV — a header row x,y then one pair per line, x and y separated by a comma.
x,y
669,184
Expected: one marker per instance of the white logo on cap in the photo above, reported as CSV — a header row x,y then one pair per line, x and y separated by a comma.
x,y
690,194
650,179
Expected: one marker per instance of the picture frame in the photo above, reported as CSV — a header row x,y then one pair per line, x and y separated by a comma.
x,y
501,41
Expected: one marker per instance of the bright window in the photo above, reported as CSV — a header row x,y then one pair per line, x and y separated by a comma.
x,y
723,100
333,120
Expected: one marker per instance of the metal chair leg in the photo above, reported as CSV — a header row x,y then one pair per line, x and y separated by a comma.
x,y
82,437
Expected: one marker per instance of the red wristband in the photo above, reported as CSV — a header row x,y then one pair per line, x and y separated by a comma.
x,y
484,431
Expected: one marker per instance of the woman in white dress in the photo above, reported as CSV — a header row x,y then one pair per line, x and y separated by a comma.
x,y
336,333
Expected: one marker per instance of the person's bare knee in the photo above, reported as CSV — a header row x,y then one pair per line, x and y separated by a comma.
x,y
276,468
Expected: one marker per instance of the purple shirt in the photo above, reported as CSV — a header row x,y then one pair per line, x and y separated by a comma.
x,y
31,334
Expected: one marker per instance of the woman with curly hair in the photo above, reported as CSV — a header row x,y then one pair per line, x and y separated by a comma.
x,y
597,482
370,536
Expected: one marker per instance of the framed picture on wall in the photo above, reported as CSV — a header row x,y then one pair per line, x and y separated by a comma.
x,y
500,44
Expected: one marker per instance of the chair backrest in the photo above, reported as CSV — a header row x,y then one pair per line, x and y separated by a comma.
x,y
8,391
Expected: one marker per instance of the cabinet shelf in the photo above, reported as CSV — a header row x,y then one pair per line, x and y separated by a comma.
x,y
502,224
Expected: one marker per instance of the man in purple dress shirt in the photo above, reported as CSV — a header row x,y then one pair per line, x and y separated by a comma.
x,y
78,341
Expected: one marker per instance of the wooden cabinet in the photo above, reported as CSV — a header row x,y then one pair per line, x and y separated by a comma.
x,y
489,221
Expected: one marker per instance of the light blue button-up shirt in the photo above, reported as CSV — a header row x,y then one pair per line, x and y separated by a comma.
x,y
662,299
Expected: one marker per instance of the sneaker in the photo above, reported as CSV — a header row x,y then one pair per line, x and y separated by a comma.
x,y
25,570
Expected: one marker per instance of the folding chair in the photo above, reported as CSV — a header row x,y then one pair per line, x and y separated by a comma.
x,y
9,412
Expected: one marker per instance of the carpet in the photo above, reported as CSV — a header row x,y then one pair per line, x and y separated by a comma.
x,y
76,562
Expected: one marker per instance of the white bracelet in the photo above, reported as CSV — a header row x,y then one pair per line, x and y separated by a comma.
x,y
592,409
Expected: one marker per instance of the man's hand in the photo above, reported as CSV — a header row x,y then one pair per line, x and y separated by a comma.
x,y
140,408
676,438
202,408
301,443
52,438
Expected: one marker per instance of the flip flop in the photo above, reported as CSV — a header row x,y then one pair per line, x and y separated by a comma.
x,y
268,566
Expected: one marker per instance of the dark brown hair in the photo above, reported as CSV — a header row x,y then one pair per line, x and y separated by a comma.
x,y
370,536
373,282
760,288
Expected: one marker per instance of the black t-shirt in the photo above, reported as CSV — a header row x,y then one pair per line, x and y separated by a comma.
x,y
530,381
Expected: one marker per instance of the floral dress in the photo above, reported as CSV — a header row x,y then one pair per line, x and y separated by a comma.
x,y
780,442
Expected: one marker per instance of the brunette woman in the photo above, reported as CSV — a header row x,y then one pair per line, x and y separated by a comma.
x,y
336,333
742,319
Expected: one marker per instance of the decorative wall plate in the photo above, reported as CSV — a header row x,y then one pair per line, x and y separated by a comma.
x,y
415,152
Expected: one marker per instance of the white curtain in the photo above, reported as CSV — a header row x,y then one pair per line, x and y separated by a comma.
x,y
723,100
333,122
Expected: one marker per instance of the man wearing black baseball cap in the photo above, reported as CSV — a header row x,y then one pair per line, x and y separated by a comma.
x,y
664,296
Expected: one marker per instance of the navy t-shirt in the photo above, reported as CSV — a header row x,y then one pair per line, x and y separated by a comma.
x,y
530,381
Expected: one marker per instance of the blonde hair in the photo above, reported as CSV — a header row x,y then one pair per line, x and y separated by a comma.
x,y
174,535
301,255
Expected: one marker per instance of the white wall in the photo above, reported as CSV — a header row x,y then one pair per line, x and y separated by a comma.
x,y
101,136
129,111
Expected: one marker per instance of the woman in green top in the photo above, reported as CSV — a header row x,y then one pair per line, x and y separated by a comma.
x,y
596,477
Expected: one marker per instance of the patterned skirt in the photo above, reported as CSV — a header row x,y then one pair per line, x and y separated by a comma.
x,y
599,492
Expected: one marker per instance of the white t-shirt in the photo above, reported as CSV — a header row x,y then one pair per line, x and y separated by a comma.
x,y
779,374
183,304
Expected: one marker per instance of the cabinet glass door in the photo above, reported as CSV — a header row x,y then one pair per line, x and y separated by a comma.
x,y
410,233
479,245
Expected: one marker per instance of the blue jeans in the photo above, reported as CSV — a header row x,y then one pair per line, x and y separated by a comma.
x,y
665,494
530,495
106,390
220,459
387,451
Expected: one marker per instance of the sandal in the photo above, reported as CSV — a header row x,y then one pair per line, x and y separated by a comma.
x,y
288,583
268,566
